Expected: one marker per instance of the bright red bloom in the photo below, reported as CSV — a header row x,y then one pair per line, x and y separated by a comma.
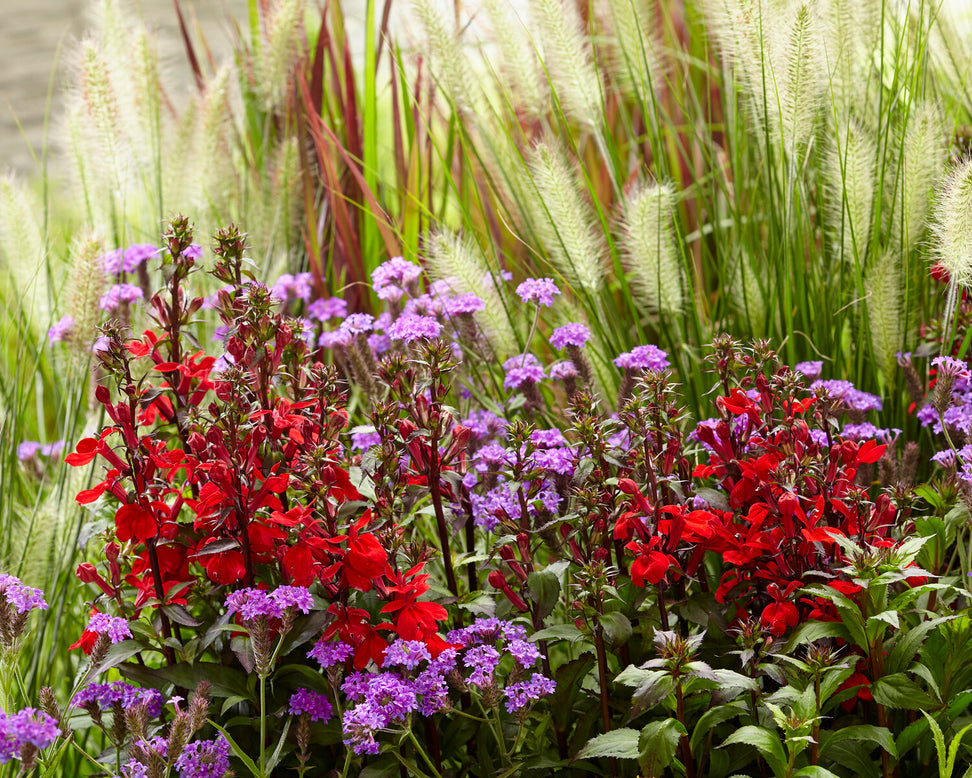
x,y
134,522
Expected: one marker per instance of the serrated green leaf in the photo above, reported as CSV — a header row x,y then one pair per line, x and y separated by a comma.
x,y
764,741
620,743
900,692
908,645
712,718
876,736
657,745
559,632
814,771
544,589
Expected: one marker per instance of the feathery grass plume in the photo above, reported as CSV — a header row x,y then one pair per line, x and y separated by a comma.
x,y
851,32
849,173
568,61
449,255
799,76
562,219
952,232
948,46
738,26
86,285
519,67
921,161
24,252
448,61
886,319
747,296
652,262
631,47
280,211
213,147
282,50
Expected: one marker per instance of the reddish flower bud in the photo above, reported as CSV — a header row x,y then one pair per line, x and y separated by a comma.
x,y
89,574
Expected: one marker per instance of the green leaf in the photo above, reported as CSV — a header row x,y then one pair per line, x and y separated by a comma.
x,y
814,771
908,645
876,736
275,756
559,632
765,741
544,589
812,631
712,718
657,744
620,743
617,628
900,692
655,688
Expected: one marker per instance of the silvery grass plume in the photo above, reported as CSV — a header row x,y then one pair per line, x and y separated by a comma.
x,y
631,48
85,287
452,256
776,48
883,286
850,163
747,295
852,33
519,69
952,234
568,61
24,251
282,49
948,45
652,262
920,163
563,220
448,60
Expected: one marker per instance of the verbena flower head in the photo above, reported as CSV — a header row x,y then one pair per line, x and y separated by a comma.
x,y
61,330
289,287
21,597
950,366
643,358
251,604
464,304
853,398
358,322
112,300
115,628
326,308
314,704
519,695
563,370
569,335
522,369
538,290
204,759
810,370
390,279
107,695
406,653
330,653
27,450
27,726
411,326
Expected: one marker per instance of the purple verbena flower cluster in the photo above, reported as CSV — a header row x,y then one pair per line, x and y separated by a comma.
x,y
412,326
522,369
21,597
391,278
127,260
538,290
107,695
115,628
853,398
290,287
204,759
569,335
27,726
28,449
643,358
119,294
315,705
330,652
251,604
61,330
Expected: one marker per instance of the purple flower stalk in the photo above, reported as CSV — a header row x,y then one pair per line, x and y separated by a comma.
x,y
27,726
112,300
569,335
330,653
538,290
390,279
519,695
410,327
643,358
204,759
115,628
107,695
61,330
315,705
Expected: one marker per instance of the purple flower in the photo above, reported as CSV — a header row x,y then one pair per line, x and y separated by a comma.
x,y
107,695
569,335
358,322
558,460
392,695
410,326
482,660
61,330
406,653
563,370
464,304
853,398
112,262
336,338
134,769
526,654
118,294
539,290
27,450
25,726
204,759
484,424
297,598
297,287
365,439
950,366
867,431
359,726
522,369
355,686
522,694
390,278
643,358
22,597
551,438
379,343
193,251
52,449
116,629
330,653
325,308
137,254
810,370
312,703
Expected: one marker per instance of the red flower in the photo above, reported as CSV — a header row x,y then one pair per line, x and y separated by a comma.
x,y
133,522
777,616
649,566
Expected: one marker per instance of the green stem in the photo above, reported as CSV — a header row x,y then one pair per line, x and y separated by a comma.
x,y
425,756
263,724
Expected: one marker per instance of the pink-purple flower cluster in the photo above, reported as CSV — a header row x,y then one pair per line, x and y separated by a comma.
x,y
411,326
107,695
204,759
28,449
313,704
127,260
643,358
290,287
391,278
327,308
538,290
21,597
570,335
854,399
115,628
521,370
253,604
61,330
118,295
27,726
329,653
